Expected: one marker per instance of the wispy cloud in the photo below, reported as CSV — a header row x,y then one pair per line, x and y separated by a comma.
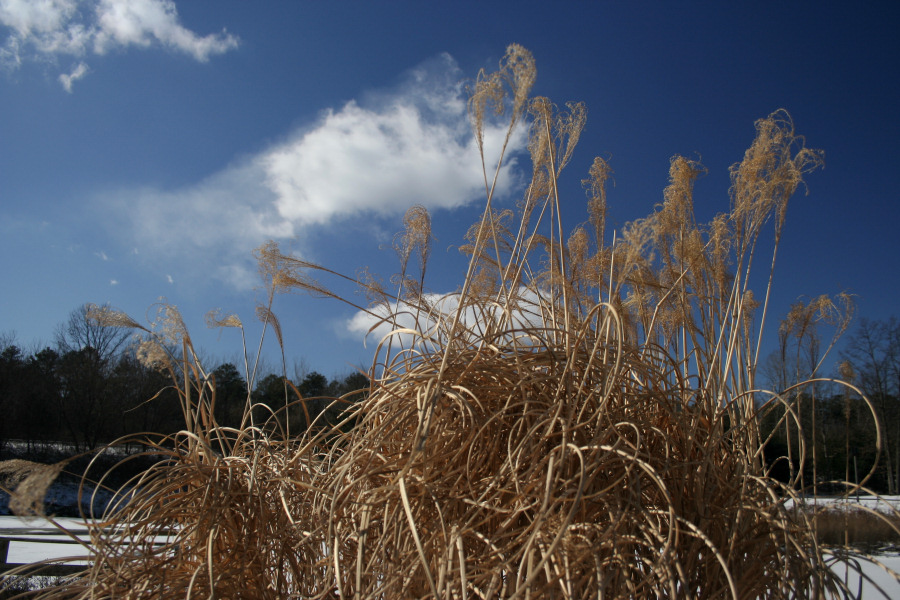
x,y
49,29
79,71
372,159
208,228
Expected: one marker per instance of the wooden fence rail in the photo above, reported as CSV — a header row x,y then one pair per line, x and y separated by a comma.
x,y
52,569
45,535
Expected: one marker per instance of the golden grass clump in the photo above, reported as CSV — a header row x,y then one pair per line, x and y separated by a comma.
x,y
536,474
578,420
207,524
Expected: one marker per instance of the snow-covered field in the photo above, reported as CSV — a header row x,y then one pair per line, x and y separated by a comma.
x,y
875,577
880,503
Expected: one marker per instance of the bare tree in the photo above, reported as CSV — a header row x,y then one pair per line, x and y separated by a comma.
x,y
7,339
81,331
874,352
88,353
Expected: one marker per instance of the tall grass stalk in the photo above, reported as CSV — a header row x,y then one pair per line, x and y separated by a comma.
x,y
578,420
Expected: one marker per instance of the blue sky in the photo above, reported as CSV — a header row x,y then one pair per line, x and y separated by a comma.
x,y
147,146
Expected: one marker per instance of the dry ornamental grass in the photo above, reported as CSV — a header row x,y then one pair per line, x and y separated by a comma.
x,y
578,420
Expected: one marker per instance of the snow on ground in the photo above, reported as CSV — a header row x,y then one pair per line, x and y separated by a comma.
x,y
875,577
879,503
23,552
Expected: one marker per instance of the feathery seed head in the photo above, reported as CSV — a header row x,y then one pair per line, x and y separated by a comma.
x,y
770,172
416,236
215,319
110,317
267,317
678,204
152,354
599,173
516,77
846,371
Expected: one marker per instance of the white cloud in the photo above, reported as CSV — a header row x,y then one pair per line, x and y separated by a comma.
x,y
371,159
102,255
42,19
145,22
412,147
374,328
169,279
77,73
113,282
47,29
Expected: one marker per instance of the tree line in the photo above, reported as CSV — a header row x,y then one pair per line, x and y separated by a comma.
x,y
838,425
89,388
